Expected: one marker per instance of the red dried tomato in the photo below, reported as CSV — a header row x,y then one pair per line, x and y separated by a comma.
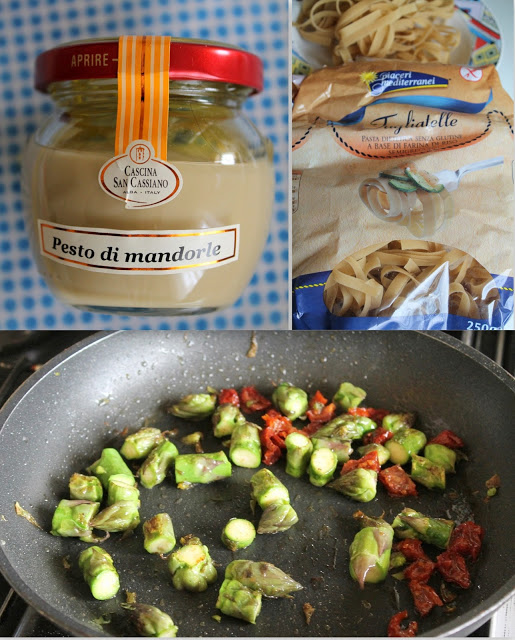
x,y
377,436
466,539
274,434
395,630
272,451
350,465
318,401
411,548
448,439
420,570
397,482
369,461
319,413
229,396
424,597
251,400
453,568
360,411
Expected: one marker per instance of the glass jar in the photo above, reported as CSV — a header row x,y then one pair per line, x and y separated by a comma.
x,y
98,250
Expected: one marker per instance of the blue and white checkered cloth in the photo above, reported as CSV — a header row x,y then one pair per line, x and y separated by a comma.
x,y
28,27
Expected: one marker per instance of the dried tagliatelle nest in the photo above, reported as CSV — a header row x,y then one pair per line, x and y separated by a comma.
x,y
410,277
413,30
410,197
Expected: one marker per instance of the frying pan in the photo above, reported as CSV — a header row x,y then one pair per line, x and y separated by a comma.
x,y
59,420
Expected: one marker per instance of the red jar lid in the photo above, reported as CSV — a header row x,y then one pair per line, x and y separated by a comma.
x,y
189,60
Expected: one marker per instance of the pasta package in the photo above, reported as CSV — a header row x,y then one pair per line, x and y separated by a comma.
x,y
402,198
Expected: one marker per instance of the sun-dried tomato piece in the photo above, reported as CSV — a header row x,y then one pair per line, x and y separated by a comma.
x,y
274,434
449,439
369,461
424,597
453,568
251,400
420,570
377,436
397,482
411,548
318,401
466,539
319,413
396,631
229,396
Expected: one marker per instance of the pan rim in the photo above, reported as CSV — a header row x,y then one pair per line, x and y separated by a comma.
x,y
474,616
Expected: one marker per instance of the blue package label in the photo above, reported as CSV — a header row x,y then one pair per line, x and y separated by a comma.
x,y
390,81
310,312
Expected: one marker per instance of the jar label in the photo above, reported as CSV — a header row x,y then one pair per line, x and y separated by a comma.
x,y
140,179
136,252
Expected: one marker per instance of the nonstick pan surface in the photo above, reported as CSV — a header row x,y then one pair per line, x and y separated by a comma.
x,y
61,418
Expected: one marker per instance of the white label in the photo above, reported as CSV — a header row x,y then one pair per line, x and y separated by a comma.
x,y
139,178
136,252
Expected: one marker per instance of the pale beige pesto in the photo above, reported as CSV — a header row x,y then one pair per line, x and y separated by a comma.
x,y
228,179
65,189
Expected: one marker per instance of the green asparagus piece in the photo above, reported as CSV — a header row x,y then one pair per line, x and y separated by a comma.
x,y
298,453
122,488
72,518
383,454
194,440
245,448
267,489
191,566
348,396
358,484
98,570
322,466
138,445
367,564
202,468
159,534
428,473
85,488
440,454
277,518
238,534
396,421
262,576
404,444
347,427
150,621
413,524
397,560
225,418
370,550
154,469
195,406
239,601
120,516
290,400
342,448
110,463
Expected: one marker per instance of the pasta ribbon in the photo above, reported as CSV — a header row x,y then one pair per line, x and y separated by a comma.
x,y
410,277
411,30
